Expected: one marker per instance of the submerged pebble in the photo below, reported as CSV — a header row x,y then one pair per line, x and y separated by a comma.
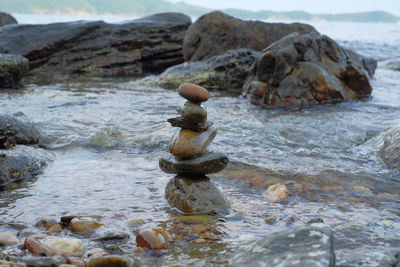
x,y
36,247
84,225
64,246
8,239
276,193
153,238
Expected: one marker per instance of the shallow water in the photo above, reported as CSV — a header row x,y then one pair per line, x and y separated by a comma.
x,y
107,137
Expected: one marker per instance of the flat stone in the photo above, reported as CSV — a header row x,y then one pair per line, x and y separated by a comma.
x,y
39,261
112,260
187,143
193,112
64,246
308,245
207,162
193,92
8,239
192,196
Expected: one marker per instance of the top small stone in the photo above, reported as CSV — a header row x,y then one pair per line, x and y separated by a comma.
x,y
193,92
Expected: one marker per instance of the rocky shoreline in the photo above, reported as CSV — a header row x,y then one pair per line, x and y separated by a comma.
x,y
281,66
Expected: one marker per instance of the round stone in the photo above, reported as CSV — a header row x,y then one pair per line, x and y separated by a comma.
x,y
193,92
207,162
153,238
192,196
188,143
193,112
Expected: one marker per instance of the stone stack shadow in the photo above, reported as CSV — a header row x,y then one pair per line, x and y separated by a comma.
x,y
191,191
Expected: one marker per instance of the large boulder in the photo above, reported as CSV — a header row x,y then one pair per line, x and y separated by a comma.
x,y
304,70
149,44
12,69
14,131
228,71
307,245
21,161
390,150
6,19
215,33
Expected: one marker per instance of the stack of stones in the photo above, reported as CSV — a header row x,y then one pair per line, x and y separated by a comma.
x,y
188,157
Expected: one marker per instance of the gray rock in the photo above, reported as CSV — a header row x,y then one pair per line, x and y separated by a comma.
x,y
391,64
309,245
305,70
31,261
149,44
6,19
216,33
206,162
15,131
390,150
195,195
21,161
12,69
228,71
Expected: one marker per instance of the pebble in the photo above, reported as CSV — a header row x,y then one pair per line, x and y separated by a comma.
x,y
194,219
83,225
188,143
193,92
153,238
64,246
135,222
204,163
36,247
45,223
39,261
8,239
112,260
55,228
199,241
194,113
200,228
276,192
138,250
75,261
360,189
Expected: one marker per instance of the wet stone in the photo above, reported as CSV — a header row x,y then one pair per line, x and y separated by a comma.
x,y
8,239
64,246
187,143
39,261
309,245
153,238
276,193
193,112
84,225
198,195
207,162
113,260
193,92
36,247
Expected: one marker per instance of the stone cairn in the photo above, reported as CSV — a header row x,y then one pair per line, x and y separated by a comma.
x,y
191,191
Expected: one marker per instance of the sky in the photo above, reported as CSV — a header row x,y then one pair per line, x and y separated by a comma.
x,y
312,6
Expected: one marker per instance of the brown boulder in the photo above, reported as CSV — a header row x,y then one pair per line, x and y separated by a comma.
x,y
215,33
304,70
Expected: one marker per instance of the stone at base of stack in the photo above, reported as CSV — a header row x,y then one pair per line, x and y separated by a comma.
x,y
191,191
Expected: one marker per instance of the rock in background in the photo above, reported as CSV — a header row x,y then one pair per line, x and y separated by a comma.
x,y
16,159
305,70
6,19
228,71
12,69
390,150
149,44
216,33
